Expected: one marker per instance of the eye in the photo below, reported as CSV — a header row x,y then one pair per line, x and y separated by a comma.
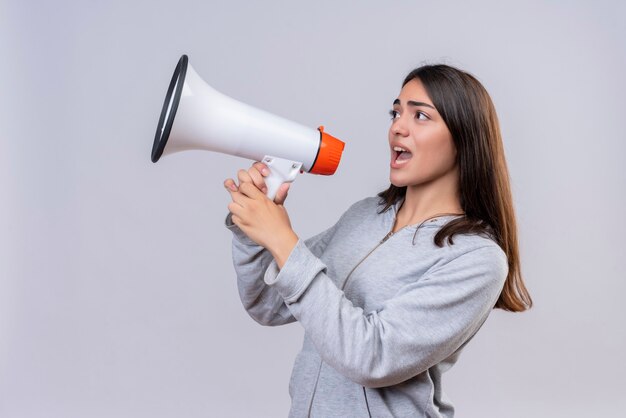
x,y
418,114
393,114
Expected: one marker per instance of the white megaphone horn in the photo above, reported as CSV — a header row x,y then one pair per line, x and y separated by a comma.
x,y
195,116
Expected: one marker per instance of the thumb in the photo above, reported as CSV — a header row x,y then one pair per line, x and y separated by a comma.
x,y
281,194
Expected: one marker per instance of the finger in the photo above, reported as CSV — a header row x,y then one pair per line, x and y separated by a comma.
x,y
257,178
236,213
250,191
230,185
239,197
234,208
235,194
237,220
243,177
262,167
281,194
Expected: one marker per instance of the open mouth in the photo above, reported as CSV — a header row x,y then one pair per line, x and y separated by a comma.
x,y
401,155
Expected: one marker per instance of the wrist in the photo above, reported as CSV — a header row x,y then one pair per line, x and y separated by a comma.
x,y
283,248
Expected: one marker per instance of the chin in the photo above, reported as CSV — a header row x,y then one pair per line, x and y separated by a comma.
x,y
397,182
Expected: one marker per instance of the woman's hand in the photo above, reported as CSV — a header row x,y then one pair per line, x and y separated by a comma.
x,y
263,221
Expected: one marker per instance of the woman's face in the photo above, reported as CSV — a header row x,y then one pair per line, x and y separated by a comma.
x,y
418,128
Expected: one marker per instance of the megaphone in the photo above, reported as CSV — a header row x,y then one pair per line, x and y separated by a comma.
x,y
195,116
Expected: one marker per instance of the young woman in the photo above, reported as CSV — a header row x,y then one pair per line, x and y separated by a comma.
x,y
389,295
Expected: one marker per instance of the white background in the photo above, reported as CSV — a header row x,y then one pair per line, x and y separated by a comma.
x,y
117,291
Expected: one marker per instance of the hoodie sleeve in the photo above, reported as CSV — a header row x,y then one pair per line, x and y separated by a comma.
x,y
425,323
262,302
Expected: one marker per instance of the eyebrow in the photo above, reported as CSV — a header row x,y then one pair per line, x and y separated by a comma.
x,y
413,103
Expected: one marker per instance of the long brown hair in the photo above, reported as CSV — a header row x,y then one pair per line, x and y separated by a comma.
x,y
485,192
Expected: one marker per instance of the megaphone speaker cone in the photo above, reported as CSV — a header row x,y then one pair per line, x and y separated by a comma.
x,y
170,106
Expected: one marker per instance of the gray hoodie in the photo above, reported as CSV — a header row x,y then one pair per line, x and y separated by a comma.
x,y
384,314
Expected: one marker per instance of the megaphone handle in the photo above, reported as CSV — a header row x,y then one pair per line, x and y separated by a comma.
x,y
281,171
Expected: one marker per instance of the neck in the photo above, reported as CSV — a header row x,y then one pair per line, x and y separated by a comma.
x,y
437,197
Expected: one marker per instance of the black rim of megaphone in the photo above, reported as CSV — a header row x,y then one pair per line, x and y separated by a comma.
x,y
165,126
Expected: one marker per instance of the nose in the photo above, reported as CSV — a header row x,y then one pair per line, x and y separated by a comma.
x,y
398,127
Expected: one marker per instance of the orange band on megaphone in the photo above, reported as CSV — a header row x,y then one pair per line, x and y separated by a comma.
x,y
329,154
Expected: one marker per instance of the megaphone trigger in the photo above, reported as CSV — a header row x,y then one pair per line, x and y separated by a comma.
x,y
281,171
